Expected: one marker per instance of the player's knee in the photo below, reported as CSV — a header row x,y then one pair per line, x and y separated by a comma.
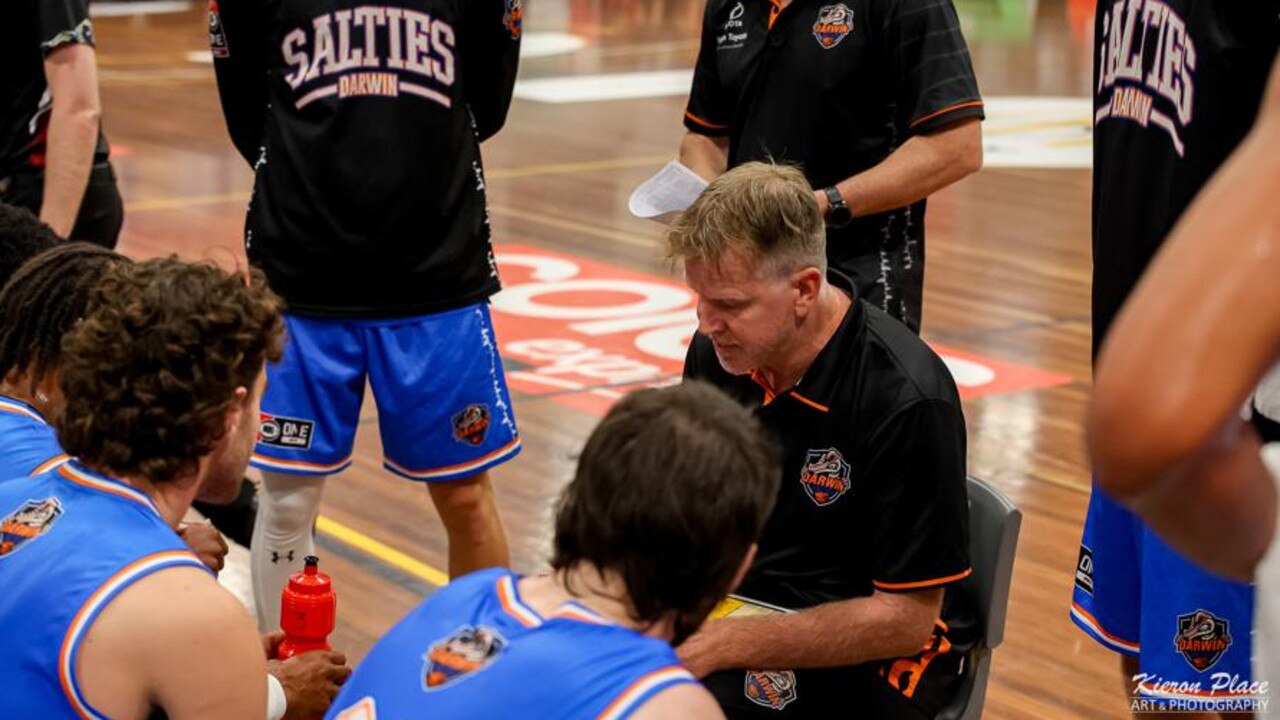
x,y
288,510
464,505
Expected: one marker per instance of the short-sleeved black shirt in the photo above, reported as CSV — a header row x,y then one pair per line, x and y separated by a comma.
x,y
364,123
1177,86
29,31
835,87
873,493
873,489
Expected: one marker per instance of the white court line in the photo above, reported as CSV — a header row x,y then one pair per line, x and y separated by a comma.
x,y
612,86
120,9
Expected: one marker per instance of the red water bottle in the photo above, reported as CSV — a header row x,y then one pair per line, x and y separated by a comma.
x,y
308,608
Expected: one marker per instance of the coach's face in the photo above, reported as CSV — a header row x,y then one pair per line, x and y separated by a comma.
x,y
749,313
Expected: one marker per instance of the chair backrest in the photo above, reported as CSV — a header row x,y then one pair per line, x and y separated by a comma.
x,y
994,522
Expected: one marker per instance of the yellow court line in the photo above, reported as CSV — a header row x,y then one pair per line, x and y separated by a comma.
x,y
190,201
380,551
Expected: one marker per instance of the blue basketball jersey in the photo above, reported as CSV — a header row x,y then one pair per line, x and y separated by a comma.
x,y
474,649
28,444
70,541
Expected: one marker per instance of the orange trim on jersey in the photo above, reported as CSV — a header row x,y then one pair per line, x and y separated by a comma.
x,y
572,613
774,12
1093,622
512,605
944,111
704,123
809,402
91,605
629,695
125,492
922,583
51,463
20,410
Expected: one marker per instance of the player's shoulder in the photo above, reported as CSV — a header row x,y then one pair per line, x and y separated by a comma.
x,y
687,700
909,369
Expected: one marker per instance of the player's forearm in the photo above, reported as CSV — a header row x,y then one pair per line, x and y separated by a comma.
x,y
705,155
240,68
1196,336
922,166
1228,482
1187,349
73,135
846,632
490,58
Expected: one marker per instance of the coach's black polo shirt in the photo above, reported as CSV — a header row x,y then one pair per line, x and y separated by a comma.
x,y
873,490
873,494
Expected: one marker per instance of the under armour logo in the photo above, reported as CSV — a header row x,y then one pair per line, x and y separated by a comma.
x,y
275,557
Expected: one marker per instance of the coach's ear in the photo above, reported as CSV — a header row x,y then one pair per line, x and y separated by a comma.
x,y
807,284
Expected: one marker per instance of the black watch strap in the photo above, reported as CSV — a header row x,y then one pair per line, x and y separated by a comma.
x,y
838,213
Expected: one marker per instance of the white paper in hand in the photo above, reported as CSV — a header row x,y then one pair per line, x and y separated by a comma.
x,y
667,194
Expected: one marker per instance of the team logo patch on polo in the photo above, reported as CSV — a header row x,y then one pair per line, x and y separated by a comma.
x,y
472,424
834,23
774,689
468,650
286,432
825,476
1202,638
513,18
33,519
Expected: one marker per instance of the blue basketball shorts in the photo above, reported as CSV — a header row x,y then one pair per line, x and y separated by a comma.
x,y
1189,629
444,412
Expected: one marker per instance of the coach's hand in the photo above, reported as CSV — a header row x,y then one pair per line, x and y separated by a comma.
x,y
206,542
310,680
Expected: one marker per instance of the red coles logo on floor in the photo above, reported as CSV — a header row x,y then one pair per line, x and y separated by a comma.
x,y
834,23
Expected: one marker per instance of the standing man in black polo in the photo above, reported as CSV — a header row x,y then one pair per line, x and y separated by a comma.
x,y
53,155
870,530
876,101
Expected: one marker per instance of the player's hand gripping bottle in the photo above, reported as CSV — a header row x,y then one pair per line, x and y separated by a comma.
x,y
308,608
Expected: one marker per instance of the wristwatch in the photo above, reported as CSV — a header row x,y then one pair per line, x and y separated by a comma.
x,y
838,214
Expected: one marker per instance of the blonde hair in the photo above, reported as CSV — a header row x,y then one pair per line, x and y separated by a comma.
x,y
765,211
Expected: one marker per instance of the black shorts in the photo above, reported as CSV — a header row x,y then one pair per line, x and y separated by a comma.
x,y
101,211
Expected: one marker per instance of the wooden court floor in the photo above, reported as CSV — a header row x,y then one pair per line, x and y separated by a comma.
x,y
1007,292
